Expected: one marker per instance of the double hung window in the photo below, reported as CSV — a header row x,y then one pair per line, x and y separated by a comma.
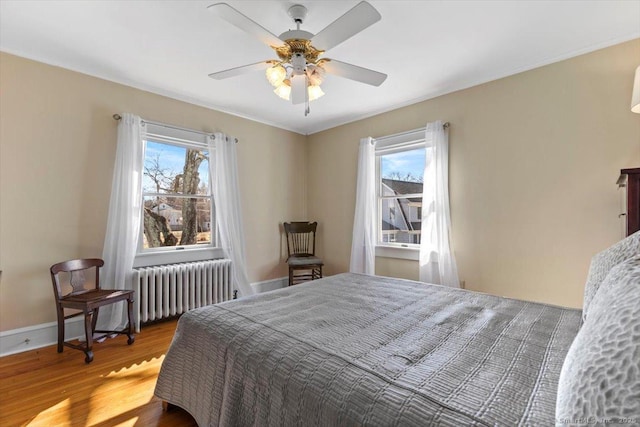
x,y
178,209
400,164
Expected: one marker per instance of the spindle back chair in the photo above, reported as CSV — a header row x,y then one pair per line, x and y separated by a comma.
x,y
301,249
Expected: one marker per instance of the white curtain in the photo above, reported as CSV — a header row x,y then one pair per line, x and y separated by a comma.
x,y
363,244
123,224
226,193
437,262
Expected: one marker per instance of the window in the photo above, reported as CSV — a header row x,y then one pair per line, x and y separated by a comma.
x,y
399,180
178,208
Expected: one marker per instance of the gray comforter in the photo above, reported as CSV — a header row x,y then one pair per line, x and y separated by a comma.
x,y
353,350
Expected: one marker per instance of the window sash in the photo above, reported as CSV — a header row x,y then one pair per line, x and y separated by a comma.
x,y
402,196
399,148
390,145
213,229
176,136
416,136
381,232
183,138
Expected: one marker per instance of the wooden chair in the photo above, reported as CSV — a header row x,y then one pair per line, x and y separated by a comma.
x,y
87,297
301,248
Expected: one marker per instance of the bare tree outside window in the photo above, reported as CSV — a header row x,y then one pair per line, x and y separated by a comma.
x,y
177,199
403,176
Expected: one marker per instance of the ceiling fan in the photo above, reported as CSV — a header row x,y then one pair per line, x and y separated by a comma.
x,y
299,69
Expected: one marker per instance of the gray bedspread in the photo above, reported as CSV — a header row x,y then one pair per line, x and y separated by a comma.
x,y
355,350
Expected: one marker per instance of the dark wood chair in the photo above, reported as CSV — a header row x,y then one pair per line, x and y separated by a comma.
x,y
301,248
86,296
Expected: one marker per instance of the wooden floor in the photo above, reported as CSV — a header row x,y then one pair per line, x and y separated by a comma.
x,y
45,388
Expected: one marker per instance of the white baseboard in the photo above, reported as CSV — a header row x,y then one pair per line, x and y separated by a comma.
x,y
270,285
38,336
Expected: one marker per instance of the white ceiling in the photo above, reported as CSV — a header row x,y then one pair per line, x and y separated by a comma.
x,y
428,48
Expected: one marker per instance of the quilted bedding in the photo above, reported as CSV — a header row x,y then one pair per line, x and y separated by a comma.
x,y
352,350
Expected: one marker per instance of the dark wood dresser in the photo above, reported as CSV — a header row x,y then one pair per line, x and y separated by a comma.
x,y
630,179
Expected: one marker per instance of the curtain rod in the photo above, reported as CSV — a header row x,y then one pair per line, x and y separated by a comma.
x,y
118,117
445,125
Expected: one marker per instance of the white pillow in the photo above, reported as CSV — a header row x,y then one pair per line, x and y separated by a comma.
x,y
600,377
603,262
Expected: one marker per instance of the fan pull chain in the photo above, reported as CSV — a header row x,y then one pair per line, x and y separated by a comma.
x,y
307,110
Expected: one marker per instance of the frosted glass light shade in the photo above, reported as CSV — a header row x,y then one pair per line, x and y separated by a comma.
x,y
276,75
283,90
635,96
315,92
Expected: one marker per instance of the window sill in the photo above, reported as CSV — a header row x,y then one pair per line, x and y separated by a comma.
x,y
148,259
399,252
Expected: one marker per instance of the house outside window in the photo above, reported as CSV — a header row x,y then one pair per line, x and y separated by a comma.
x,y
178,207
400,163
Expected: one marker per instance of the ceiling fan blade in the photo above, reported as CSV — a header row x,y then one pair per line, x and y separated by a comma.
x,y
232,72
351,23
245,23
353,72
298,89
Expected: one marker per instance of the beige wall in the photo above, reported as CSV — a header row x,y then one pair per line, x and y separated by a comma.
x,y
534,159
533,163
56,160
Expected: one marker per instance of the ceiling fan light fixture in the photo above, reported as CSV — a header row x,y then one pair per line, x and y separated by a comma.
x,y
314,92
283,90
298,56
276,75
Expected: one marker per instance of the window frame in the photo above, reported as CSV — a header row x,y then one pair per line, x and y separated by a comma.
x,y
391,144
183,138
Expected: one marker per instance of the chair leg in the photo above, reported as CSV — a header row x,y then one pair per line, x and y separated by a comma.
x,y
60,329
88,332
130,316
320,272
290,276
94,321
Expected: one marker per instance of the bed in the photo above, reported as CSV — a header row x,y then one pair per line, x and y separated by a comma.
x,y
352,350
356,350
